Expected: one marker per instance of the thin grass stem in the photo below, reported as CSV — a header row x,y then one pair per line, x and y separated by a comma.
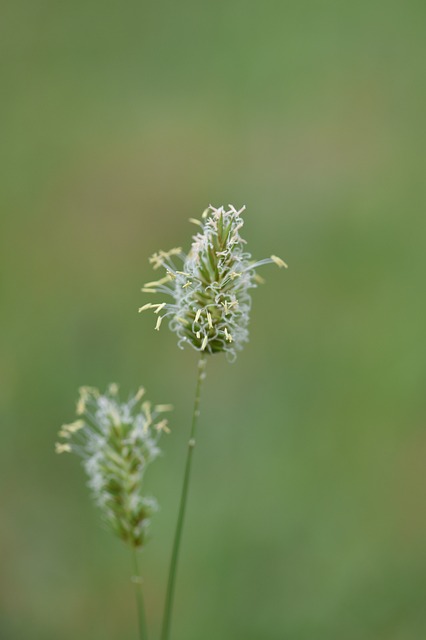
x,y
165,633
137,581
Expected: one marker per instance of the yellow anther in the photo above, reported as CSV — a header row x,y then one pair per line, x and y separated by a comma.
x,y
205,213
197,315
162,426
74,426
158,324
157,282
160,408
62,447
85,392
228,335
146,306
140,393
209,320
175,251
159,307
195,221
204,344
145,290
198,335
280,263
113,388
257,278
183,273
234,275
187,284
146,408
182,320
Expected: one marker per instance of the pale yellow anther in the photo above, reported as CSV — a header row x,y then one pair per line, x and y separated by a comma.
x,y
146,408
234,274
198,335
158,323
175,251
280,263
113,388
63,433
205,213
204,344
62,447
159,307
156,283
145,307
197,315
257,278
162,426
182,320
81,406
187,284
140,393
156,260
195,221
170,274
209,320
183,273
74,426
160,408
144,290
228,335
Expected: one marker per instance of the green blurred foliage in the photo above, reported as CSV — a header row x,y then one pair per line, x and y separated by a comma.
x,y
120,120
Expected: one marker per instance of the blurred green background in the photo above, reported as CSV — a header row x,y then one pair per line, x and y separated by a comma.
x,y
120,120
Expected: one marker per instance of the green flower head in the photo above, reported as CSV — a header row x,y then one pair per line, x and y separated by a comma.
x,y
210,290
117,441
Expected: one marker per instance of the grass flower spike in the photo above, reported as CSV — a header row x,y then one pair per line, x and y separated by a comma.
x,y
117,441
210,308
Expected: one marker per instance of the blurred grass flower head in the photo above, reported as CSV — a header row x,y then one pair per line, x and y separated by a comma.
x,y
210,308
117,441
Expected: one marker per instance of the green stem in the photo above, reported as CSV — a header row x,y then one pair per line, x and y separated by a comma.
x,y
184,495
137,580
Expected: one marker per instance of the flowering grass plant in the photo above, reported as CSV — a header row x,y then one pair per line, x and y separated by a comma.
x,y
206,299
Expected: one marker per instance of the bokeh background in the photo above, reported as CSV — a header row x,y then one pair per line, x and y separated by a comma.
x,y
120,120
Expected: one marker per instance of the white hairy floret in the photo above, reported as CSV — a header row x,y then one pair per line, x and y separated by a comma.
x,y
211,300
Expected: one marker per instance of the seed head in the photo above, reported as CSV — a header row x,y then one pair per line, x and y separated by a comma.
x,y
211,299
117,441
